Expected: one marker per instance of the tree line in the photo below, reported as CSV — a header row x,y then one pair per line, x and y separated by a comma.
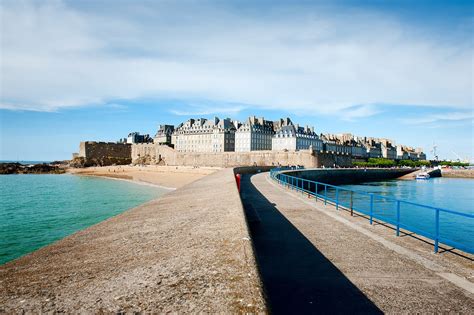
x,y
383,162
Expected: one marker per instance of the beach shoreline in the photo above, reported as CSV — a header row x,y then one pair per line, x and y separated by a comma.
x,y
166,177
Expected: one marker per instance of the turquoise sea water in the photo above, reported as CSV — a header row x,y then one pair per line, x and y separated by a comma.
x,y
455,194
36,210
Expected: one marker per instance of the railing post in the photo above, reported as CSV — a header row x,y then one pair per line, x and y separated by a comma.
x,y
437,232
316,191
371,207
325,194
398,217
337,198
352,203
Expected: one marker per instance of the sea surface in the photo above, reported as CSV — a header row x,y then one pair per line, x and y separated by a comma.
x,y
36,210
25,162
456,194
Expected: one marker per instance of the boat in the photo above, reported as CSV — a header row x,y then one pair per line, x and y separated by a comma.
x,y
423,175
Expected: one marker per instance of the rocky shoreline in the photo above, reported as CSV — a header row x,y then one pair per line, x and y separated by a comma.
x,y
45,168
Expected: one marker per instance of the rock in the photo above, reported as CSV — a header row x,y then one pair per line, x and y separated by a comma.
x,y
17,168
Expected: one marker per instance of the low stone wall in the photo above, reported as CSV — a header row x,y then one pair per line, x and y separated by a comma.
x,y
105,153
161,154
348,176
458,173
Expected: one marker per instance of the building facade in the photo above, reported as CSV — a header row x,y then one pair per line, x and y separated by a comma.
x,y
136,137
293,137
205,135
253,135
163,135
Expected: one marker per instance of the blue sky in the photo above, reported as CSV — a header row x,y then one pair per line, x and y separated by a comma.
x,y
96,70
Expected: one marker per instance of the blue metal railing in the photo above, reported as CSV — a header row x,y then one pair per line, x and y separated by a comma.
x,y
383,208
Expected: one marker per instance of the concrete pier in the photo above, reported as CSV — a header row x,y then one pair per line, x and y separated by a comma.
x,y
314,259
187,252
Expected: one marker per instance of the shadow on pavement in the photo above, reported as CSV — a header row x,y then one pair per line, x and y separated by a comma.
x,y
296,276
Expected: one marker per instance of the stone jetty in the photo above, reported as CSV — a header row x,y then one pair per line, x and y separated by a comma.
x,y
314,259
187,252
204,248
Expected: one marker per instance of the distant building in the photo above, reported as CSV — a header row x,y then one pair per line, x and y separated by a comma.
x,y
136,137
293,137
203,135
420,154
253,135
374,151
340,144
358,151
387,149
164,134
408,153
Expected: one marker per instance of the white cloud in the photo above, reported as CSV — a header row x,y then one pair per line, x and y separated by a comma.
x,y
56,56
208,109
435,118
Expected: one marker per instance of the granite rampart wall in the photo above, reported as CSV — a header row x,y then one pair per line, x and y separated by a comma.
x,y
105,153
162,154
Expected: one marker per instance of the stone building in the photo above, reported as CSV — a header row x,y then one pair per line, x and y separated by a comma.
x,y
205,135
409,153
387,149
163,135
293,137
340,144
253,135
136,137
420,153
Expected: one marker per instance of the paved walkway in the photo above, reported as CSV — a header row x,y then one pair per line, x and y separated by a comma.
x,y
315,259
186,252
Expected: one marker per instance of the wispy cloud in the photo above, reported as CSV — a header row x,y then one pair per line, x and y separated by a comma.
x,y
207,109
359,111
439,118
60,54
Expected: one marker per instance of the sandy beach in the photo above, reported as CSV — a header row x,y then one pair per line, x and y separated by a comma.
x,y
165,176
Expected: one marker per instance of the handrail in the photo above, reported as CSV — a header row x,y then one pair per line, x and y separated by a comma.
x,y
304,185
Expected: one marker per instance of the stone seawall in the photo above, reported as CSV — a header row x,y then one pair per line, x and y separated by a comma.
x,y
161,154
348,176
105,153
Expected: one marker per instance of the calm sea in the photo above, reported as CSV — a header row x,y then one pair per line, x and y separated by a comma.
x,y
36,210
449,193
24,162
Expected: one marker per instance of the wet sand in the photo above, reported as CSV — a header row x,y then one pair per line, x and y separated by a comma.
x,y
165,176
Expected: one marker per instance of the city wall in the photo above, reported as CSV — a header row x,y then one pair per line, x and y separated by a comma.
x,y
349,176
164,155
105,153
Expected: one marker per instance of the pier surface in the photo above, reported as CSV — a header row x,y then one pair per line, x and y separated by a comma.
x,y
313,258
187,252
